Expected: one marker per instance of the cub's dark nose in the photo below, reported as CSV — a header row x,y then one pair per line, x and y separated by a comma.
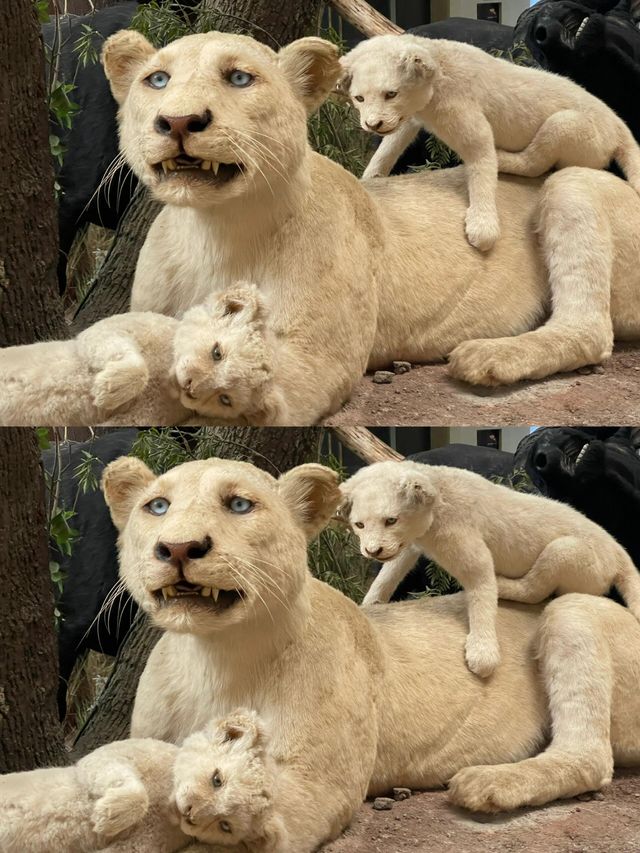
x,y
375,552
179,553
178,127
375,126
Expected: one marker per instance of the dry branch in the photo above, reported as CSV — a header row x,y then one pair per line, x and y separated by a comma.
x,y
365,18
366,445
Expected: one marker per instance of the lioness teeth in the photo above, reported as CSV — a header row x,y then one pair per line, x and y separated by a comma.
x,y
215,593
168,592
215,166
205,591
205,165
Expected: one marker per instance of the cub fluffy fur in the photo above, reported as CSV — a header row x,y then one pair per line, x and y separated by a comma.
x,y
144,368
148,796
356,697
476,103
353,280
475,530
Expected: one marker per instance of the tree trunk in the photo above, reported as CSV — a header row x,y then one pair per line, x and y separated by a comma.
x,y
274,450
30,309
366,445
30,734
272,21
109,294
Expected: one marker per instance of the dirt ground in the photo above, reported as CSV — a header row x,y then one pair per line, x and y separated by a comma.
x,y
426,395
425,823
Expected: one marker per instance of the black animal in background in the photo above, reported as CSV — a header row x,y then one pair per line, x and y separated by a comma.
x,y
597,471
594,42
91,571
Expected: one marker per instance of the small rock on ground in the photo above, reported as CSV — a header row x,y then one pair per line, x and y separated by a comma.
x,y
401,366
383,803
383,377
401,793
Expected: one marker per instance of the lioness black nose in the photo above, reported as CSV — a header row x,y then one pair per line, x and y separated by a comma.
x,y
177,127
374,126
373,553
178,553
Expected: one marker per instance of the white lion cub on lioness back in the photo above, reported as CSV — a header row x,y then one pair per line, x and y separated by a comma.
x,y
476,103
475,530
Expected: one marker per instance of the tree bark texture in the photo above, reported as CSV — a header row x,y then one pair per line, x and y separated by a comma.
x,y
30,734
273,22
366,445
29,306
275,450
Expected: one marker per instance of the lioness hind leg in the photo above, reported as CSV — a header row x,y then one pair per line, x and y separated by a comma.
x,y
567,138
565,563
578,675
577,248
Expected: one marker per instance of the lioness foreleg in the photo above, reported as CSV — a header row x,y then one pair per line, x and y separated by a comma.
x,y
576,667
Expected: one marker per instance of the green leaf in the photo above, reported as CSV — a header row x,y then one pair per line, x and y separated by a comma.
x,y
43,438
42,8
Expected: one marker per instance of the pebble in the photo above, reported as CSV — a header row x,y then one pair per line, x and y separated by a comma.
x,y
401,366
401,793
383,803
383,377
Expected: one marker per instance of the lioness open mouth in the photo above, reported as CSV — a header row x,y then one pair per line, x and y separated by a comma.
x,y
193,167
207,596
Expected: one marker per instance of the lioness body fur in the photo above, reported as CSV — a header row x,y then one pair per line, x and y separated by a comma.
x,y
475,530
359,274
476,103
360,700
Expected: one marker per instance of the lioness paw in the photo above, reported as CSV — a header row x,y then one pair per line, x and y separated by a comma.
x,y
490,362
489,788
482,230
482,656
118,383
119,809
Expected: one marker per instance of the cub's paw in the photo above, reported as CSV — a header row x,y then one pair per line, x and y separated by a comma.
x,y
118,383
482,230
118,810
489,788
490,362
482,656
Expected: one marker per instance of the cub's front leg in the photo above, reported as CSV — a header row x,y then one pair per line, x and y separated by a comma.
x,y
390,576
390,149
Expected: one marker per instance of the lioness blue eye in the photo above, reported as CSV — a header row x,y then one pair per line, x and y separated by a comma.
x,y
240,78
390,95
158,80
158,506
240,505
391,521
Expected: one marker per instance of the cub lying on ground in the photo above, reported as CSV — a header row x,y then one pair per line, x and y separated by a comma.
x,y
145,368
147,796
476,530
476,103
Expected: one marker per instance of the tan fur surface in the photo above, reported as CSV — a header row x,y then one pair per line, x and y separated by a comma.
x,y
360,700
358,274
475,530
476,103
146,368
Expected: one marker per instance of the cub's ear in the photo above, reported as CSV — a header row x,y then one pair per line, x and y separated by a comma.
x,y
418,489
344,80
418,63
344,507
245,302
273,837
312,68
122,481
311,492
123,55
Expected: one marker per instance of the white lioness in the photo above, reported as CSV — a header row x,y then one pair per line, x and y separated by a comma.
x,y
147,796
475,529
215,364
476,103
358,274
358,700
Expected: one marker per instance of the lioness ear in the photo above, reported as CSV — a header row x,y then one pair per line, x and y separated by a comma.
x,y
122,481
312,68
311,492
122,57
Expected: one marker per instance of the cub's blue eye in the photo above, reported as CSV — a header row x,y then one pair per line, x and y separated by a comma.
x,y
390,521
158,80
158,506
240,505
240,78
